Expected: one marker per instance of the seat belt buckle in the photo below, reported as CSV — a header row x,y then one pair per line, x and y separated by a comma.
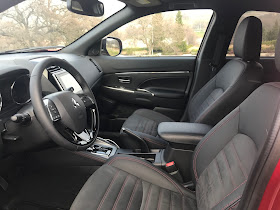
x,y
172,169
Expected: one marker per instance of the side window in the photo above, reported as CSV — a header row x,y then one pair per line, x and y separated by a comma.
x,y
173,33
271,29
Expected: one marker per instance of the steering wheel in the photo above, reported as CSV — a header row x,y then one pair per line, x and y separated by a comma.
x,y
71,120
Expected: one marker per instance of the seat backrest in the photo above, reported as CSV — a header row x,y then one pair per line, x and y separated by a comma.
x,y
235,81
222,161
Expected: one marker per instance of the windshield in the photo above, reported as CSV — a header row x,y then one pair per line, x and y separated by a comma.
x,y
41,23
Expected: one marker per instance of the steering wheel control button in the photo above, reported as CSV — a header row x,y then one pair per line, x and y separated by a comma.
x,y
88,102
52,110
69,108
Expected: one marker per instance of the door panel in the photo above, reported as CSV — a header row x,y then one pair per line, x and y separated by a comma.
x,y
147,85
147,64
158,83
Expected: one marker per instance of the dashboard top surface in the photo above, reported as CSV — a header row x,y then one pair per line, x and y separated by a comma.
x,y
87,67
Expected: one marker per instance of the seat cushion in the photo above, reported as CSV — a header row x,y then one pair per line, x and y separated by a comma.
x,y
144,123
127,182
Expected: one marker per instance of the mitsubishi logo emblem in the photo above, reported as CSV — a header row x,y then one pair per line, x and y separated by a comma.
x,y
75,103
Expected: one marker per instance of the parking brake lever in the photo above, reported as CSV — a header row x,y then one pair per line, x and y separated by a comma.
x,y
143,144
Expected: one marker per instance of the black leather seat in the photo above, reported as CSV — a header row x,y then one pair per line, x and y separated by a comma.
x,y
234,82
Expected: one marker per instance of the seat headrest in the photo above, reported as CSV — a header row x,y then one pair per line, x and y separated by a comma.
x,y
277,53
248,39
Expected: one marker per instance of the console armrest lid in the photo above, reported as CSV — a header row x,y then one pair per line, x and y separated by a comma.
x,y
183,133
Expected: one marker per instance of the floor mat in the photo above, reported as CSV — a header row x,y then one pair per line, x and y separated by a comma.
x,y
31,206
51,189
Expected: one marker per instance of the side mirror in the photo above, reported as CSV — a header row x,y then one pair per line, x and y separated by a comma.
x,y
86,7
111,46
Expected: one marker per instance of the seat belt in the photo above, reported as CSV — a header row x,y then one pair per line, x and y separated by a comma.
x,y
3,183
217,55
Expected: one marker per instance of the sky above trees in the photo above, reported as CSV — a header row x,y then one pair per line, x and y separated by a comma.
x,y
35,23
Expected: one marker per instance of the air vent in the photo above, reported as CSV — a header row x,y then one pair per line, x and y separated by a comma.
x,y
98,68
53,69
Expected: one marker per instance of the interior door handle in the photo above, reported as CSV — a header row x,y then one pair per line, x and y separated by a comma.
x,y
125,80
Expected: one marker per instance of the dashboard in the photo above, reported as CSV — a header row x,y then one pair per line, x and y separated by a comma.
x,y
15,71
14,89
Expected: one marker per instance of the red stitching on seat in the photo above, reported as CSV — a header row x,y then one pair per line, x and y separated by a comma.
x,y
183,206
159,199
230,173
219,173
148,197
232,202
231,192
132,195
119,195
151,167
206,139
108,190
273,84
239,161
170,205
234,205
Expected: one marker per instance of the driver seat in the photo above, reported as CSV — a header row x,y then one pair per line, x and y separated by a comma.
x,y
222,164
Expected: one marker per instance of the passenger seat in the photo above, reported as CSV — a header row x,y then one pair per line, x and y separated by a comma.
x,y
224,92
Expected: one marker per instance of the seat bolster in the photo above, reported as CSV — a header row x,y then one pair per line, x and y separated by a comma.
x,y
149,173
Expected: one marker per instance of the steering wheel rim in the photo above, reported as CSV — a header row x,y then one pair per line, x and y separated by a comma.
x,y
39,107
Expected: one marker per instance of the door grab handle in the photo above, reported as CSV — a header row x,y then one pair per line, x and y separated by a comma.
x,y
146,91
124,81
119,89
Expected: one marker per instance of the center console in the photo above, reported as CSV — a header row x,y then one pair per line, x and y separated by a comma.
x,y
107,148
182,139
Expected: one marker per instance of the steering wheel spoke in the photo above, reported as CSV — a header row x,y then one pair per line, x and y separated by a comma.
x,y
52,110
82,138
